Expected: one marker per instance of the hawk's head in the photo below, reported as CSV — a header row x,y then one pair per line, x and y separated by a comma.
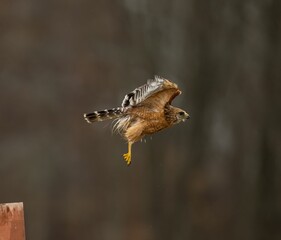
x,y
181,116
176,115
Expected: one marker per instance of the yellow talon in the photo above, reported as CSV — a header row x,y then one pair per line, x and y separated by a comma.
x,y
127,156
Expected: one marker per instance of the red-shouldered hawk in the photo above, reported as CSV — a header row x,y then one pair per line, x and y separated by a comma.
x,y
144,111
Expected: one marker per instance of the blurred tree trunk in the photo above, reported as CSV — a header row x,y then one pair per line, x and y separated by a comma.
x,y
216,176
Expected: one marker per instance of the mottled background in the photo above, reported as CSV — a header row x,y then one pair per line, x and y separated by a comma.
x,y
217,176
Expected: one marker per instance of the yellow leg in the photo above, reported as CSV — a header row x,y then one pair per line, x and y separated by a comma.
x,y
127,156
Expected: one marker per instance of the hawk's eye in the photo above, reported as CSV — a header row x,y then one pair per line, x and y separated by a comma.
x,y
181,113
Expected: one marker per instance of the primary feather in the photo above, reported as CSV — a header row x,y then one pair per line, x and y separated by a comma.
x,y
143,92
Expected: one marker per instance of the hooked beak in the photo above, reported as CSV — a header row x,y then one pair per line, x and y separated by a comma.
x,y
186,117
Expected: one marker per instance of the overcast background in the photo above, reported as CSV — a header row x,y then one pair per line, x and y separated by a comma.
x,y
216,176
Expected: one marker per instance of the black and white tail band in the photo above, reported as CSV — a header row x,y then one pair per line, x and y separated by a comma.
x,y
103,115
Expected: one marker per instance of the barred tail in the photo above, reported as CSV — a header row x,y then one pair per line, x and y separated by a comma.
x,y
106,114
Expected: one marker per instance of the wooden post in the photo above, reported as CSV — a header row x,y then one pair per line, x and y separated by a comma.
x,y
12,221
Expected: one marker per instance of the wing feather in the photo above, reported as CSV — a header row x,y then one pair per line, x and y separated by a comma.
x,y
159,89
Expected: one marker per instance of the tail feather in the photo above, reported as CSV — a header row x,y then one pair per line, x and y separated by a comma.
x,y
103,115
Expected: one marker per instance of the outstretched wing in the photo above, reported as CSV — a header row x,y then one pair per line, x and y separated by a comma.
x,y
157,91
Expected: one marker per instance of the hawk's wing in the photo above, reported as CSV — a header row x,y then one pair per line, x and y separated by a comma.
x,y
156,92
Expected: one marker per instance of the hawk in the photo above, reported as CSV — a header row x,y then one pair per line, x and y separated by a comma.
x,y
144,111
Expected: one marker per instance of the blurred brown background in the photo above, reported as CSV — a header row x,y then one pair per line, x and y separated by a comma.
x,y
217,176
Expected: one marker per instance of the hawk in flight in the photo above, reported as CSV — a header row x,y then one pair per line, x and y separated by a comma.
x,y
144,111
